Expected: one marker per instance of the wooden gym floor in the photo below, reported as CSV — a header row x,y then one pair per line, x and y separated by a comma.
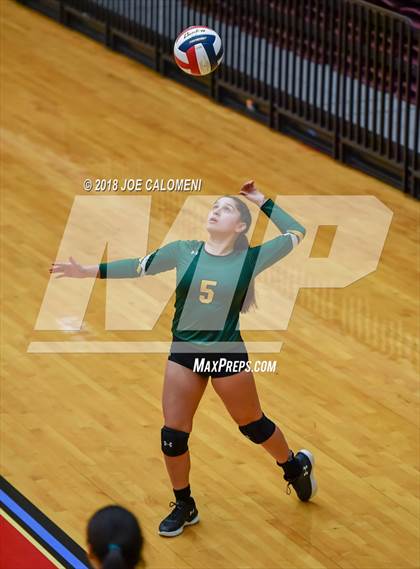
x,y
80,431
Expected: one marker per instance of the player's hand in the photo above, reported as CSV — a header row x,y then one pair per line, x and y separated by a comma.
x,y
71,269
252,193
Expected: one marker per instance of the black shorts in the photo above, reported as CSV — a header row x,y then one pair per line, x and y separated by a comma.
x,y
211,363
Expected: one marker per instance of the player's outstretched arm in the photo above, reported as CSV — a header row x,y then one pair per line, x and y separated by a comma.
x,y
163,259
121,269
74,270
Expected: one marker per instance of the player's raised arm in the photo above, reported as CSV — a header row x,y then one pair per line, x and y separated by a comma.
x,y
163,259
292,231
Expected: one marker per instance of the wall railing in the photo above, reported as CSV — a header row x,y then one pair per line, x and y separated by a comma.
x,y
342,75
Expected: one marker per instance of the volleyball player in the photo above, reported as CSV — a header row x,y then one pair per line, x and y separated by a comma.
x,y
114,539
215,282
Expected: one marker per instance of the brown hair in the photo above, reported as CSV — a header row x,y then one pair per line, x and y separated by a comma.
x,y
242,243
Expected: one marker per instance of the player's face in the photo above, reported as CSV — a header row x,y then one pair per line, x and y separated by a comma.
x,y
224,217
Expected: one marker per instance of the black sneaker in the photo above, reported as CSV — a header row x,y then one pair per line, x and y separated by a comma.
x,y
305,484
183,514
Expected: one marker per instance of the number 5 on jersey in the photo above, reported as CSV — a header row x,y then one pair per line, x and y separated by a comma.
x,y
208,294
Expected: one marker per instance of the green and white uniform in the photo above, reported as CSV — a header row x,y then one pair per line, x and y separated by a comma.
x,y
210,291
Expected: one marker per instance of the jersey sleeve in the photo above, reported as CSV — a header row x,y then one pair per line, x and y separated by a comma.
x,y
163,259
272,251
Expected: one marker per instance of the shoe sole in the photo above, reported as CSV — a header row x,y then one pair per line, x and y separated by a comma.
x,y
311,459
181,529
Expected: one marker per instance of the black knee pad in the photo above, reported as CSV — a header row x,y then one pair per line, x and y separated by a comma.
x,y
174,442
259,431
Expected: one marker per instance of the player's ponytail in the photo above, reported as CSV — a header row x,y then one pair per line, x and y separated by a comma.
x,y
115,538
114,559
241,244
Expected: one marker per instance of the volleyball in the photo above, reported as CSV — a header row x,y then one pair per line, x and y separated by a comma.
x,y
198,50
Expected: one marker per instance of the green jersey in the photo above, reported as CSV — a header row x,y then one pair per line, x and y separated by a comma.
x,y
210,289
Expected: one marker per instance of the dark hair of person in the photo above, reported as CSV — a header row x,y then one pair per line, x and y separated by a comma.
x,y
115,537
242,243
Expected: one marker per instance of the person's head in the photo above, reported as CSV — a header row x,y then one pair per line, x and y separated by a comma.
x,y
114,539
230,217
